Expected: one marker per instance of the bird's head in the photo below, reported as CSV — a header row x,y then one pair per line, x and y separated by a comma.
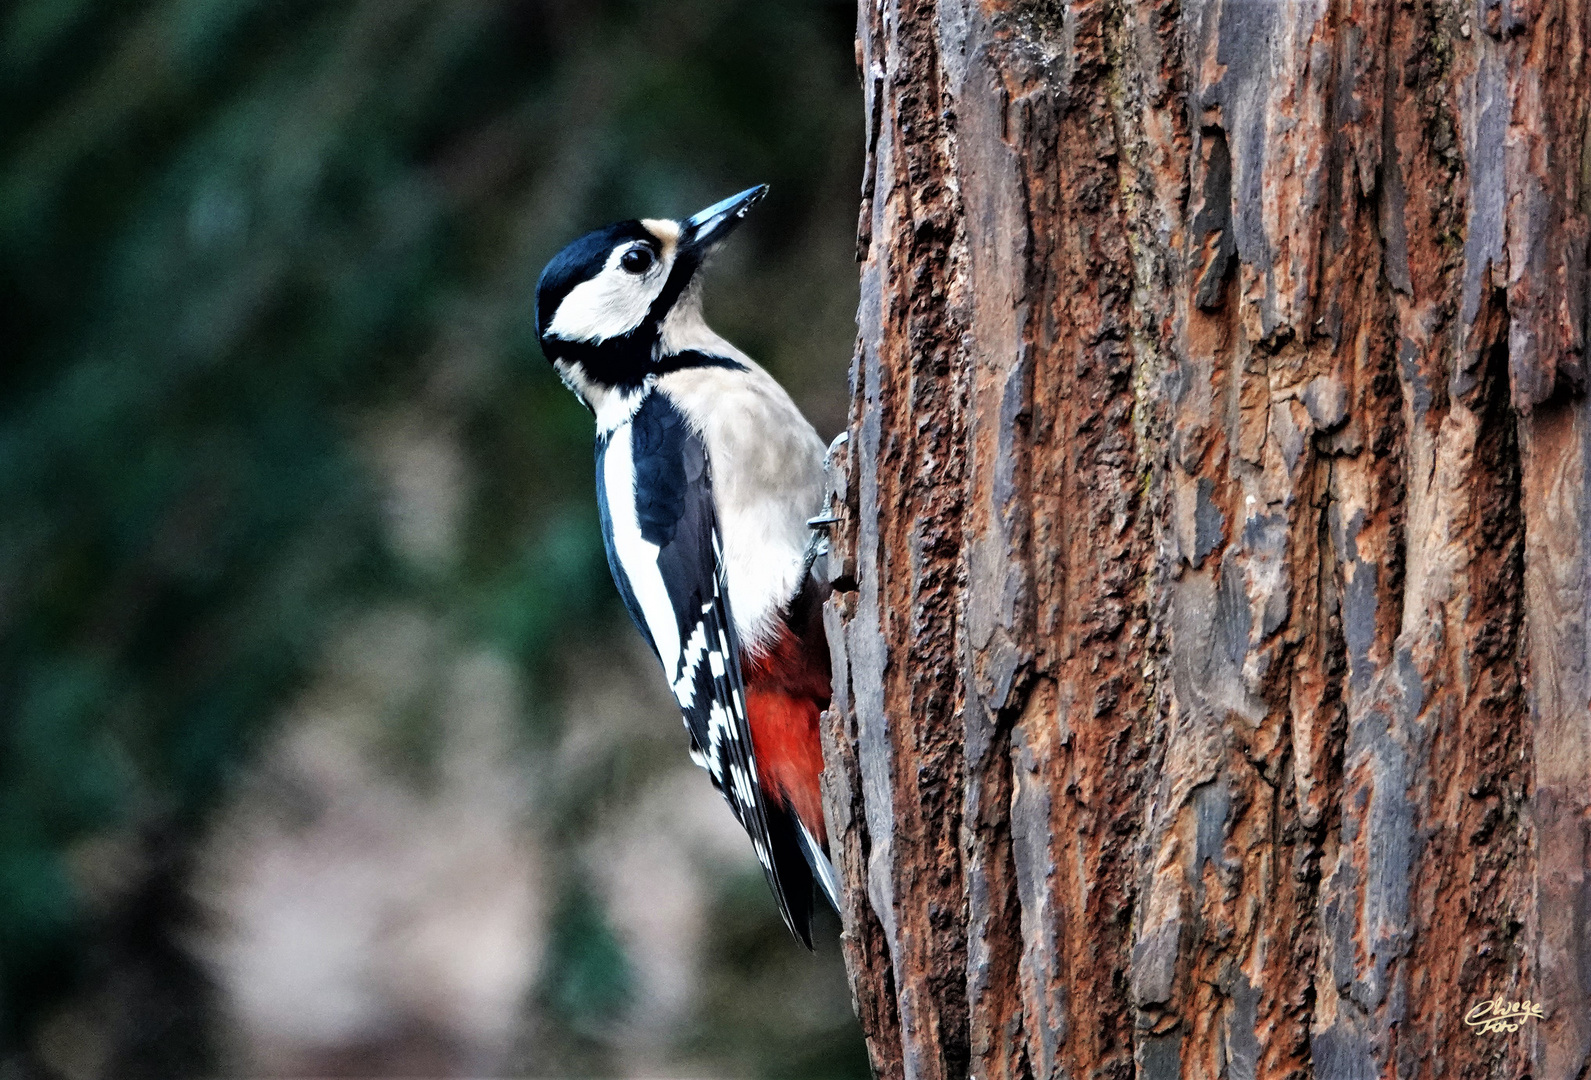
x,y
613,306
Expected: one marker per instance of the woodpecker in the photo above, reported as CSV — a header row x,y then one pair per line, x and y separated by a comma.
x,y
708,481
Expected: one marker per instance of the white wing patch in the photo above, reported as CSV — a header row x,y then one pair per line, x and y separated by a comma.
x,y
637,554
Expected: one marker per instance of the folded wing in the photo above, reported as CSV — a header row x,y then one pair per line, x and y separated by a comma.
x,y
660,528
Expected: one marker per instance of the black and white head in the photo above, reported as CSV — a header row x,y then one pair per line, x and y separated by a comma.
x,y
623,303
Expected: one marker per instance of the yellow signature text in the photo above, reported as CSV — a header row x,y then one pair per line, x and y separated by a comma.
x,y
1499,1015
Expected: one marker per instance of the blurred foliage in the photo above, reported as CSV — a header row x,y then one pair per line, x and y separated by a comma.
x,y
587,982
236,237
757,967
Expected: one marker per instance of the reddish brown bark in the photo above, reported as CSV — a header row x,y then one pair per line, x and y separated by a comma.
x,y
1212,682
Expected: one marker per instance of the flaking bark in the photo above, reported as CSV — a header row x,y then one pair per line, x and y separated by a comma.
x,y
1212,682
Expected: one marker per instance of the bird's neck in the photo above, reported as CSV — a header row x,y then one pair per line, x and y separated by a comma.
x,y
613,403
613,377
684,331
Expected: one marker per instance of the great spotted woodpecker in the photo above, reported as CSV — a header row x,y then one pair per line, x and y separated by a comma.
x,y
708,477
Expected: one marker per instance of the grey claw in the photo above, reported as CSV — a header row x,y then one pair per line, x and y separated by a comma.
x,y
839,440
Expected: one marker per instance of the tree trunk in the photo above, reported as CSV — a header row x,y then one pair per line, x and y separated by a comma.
x,y
1211,591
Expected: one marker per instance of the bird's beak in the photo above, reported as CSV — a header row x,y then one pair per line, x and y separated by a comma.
x,y
704,229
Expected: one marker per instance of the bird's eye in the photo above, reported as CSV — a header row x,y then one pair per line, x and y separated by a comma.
x,y
638,260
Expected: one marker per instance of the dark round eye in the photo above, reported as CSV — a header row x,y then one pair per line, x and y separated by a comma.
x,y
638,260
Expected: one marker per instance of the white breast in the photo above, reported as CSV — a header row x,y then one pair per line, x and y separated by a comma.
x,y
767,472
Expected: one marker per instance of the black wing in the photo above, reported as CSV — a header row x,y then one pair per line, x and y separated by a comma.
x,y
675,518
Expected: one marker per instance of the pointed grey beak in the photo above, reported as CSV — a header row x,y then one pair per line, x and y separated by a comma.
x,y
704,229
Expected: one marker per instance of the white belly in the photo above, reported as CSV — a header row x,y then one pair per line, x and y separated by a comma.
x,y
767,472
763,557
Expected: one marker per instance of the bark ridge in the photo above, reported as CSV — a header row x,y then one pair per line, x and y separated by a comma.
x,y
1209,634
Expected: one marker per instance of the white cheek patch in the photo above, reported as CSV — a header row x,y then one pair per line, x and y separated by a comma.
x,y
611,304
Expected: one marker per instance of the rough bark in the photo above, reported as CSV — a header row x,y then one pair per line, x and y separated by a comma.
x,y
1213,691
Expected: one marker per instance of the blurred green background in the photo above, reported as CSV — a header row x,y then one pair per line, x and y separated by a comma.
x,y
325,746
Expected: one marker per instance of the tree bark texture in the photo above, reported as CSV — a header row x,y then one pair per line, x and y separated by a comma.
x,y
1213,689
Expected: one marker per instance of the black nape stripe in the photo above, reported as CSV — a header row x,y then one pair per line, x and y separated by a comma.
x,y
693,358
623,363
